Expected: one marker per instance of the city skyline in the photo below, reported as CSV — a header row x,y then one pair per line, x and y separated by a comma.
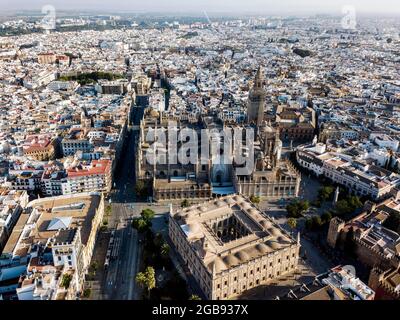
x,y
234,7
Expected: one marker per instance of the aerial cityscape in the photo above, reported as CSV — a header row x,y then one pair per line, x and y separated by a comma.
x,y
199,153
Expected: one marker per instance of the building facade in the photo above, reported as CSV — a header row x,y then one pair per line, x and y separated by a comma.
x,y
230,247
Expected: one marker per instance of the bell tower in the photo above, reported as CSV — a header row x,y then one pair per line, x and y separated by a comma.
x,y
257,99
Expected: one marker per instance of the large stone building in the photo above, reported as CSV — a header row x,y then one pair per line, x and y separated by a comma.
x,y
230,246
268,176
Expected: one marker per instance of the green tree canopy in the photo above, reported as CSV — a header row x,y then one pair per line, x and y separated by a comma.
x,y
165,250
255,199
292,223
325,193
297,208
147,214
147,279
185,203
141,225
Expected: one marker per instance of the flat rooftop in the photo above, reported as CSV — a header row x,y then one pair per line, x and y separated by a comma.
x,y
32,226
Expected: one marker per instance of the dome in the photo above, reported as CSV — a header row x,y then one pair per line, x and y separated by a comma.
x,y
246,205
193,227
220,203
218,264
231,260
282,240
274,232
262,248
242,256
266,224
229,200
273,244
253,211
202,209
237,198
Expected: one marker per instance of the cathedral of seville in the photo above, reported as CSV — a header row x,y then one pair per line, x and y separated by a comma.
x,y
230,246
271,177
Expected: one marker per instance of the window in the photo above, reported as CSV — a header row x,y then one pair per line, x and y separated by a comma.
x,y
251,271
244,274
270,264
225,283
218,286
264,267
258,269
235,278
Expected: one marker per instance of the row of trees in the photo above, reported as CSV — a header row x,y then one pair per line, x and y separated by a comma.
x,y
343,207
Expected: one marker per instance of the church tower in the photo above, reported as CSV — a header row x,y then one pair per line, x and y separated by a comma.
x,y
256,102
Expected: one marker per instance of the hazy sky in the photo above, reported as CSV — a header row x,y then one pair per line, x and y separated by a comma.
x,y
237,6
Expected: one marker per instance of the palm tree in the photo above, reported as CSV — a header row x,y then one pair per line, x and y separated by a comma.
x,y
147,279
165,250
292,223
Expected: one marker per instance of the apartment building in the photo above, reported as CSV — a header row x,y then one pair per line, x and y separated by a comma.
x,y
49,251
95,177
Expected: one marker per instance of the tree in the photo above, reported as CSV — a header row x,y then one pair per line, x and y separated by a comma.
x,y
194,297
326,217
309,223
165,250
255,199
147,214
292,223
158,240
316,222
87,292
140,225
342,207
348,205
108,210
147,279
141,189
185,203
325,193
297,208
66,280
